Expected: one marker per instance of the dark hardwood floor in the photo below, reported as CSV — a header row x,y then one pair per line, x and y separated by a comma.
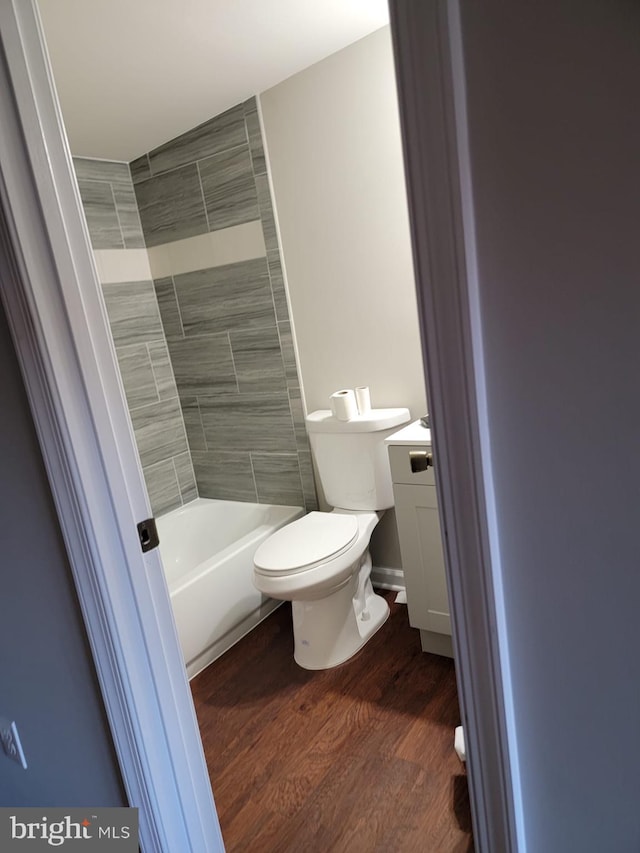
x,y
358,758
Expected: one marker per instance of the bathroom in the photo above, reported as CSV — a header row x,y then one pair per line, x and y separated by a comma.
x,y
332,139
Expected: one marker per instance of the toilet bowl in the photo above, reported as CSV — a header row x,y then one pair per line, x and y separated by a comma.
x,y
321,562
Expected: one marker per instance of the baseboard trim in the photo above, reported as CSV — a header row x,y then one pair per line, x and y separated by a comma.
x,y
387,578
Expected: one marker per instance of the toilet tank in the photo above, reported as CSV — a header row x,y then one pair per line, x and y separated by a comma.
x,y
351,457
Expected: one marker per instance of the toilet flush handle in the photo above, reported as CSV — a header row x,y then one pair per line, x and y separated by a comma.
x,y
420,460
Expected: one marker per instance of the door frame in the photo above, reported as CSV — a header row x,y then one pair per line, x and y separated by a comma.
x,y
429,57
51,295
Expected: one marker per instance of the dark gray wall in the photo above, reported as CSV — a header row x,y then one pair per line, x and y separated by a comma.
x,y
47,676
555,154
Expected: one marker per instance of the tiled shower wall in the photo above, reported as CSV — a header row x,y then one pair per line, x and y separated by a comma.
x,y
231,377
152,396
207,217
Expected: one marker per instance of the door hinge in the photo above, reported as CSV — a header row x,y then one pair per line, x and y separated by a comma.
x,y
148,534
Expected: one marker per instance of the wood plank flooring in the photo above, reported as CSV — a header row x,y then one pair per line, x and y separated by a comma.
x,y
358,758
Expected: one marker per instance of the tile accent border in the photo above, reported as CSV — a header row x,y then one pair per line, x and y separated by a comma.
x,y
215,249
118,265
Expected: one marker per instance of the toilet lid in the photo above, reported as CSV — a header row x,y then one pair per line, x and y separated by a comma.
x,y
312,539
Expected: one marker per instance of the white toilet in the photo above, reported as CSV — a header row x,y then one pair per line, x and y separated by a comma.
x,y
321,562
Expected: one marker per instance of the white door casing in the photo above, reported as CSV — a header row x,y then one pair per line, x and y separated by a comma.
x,y
430,73
53,302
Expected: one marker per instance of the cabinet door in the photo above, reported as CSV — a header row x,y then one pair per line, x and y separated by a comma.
x,y
422,558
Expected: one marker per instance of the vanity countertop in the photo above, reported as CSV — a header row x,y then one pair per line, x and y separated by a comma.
x,y
413,433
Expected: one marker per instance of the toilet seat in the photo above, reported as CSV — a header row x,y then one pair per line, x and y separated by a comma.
x,y
310,541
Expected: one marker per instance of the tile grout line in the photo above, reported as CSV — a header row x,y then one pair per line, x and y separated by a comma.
x,y
153,372
137,212
233,362
204,435
165,343
190,460
302,493
253,167
275,314
155,403
193,470
188,163
284,364
151,175
175,473
253,475
115,206
175,296
204,201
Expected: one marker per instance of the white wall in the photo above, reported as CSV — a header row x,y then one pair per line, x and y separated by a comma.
x,y
333,140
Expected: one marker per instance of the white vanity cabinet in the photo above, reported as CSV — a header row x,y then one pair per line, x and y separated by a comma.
x,y
418,524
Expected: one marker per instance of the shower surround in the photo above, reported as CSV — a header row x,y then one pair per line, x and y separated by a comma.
x,y
111,212
228,400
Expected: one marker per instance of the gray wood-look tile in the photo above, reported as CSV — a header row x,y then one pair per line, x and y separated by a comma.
x,y
171,206
266,213
100,212
254,134
225,476
186,477
288,353
203,365
127,210
308,481
112,171
248,422
133,312
162,370
229,188
168,304
277,478
250,105
162,486
140,169
297,413
234,296
193,423
258,359
219,133
137,375
159,431
277,285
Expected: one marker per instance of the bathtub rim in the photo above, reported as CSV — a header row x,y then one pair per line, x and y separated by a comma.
x,y
174,585
181,585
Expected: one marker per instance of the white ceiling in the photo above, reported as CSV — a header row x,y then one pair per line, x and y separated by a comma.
x,y
132,74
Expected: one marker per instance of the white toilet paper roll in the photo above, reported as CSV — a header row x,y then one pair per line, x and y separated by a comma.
x,y
363,399
343,404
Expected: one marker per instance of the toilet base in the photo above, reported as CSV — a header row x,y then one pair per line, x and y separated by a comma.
x,y
328,631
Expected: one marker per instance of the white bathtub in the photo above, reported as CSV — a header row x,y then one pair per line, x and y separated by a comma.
x,y
207,549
